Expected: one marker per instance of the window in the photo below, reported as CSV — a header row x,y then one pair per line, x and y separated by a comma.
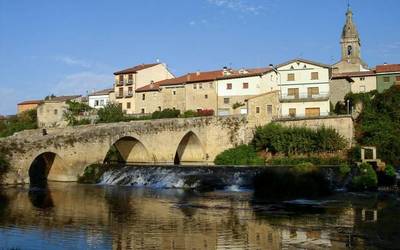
x,y
229,86
205,96
386,79
159,108
55,111
269,110
200,85
143,97
128,105
257,110
226,100
194,86
245,85
290,77
130,91
121,78
96,103
292,112
142,111
314,76
294,92
174,92
311,91
130,77
120,92
397,78
362,78
313,112
101,102
210,85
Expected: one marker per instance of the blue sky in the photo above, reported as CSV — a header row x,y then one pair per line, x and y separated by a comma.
x,y
69,47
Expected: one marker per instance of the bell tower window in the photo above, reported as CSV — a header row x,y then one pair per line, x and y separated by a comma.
x,y
349,50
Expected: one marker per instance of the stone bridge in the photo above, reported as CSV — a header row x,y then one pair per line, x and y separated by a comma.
x,y
63,154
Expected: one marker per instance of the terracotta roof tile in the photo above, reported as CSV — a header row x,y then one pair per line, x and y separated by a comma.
x,y
31,102
101,92
388,68
353,74
135,68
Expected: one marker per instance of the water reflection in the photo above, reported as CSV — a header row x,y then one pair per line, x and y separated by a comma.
x,y
81,216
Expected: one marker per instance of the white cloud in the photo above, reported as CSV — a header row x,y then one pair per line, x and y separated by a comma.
x,y
245,6
74,61
81,82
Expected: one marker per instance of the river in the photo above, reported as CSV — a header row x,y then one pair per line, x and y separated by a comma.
x,y
75,216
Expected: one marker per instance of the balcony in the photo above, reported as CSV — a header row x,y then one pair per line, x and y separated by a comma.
x,y
119,95
129,94
119,82
129,82
305,97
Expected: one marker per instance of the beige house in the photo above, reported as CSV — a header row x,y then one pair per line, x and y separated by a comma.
x,y
50,113
128,80
355,82
28,105
264,108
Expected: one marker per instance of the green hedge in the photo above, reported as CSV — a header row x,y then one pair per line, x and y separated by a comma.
x,y
294,160
297,140
23,121
241,155
365,178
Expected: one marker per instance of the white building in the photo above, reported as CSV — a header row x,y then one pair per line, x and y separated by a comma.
x,y
99,99
237,86
304,87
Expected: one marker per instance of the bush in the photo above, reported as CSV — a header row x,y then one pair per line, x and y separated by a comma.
x,y
344,170
4,165
387,177
297,140
302,181
205,112
74,111
241,155
93,173
166,113
189,114
365,179
294,160
112,112
25,120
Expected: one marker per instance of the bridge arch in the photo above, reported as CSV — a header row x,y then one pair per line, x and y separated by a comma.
x,y
46,166
190,150
129,149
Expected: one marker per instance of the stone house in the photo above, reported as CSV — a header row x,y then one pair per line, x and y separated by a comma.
x,y
28,105
355,82
263,109
50,113
128,80
387,75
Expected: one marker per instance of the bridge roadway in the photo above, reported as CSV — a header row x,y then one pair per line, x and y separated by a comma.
x,y
63,154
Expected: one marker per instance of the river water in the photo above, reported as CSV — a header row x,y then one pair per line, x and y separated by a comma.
x,y
74,216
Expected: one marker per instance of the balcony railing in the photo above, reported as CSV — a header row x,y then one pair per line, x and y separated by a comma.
x,y
129,94
119,82
119,95
129,82
302,116
322,96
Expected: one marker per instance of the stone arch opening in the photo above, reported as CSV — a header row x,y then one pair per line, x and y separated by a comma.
x,y
128,150
44,167
189,151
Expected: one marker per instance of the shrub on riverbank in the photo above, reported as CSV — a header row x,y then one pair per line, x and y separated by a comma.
x,y
365,178
25,120
302,181
294,160
93,173
276,138
241,155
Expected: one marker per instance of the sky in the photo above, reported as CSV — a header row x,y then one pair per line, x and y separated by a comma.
x,y
70,47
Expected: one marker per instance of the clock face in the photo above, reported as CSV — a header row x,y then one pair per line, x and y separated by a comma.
x,y
349,50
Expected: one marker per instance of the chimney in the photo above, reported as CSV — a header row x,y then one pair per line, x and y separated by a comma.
x,y
385,63
151,84
198,73
188,77
225,71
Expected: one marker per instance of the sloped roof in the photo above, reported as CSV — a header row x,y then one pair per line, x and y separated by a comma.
x,y
31,102
303,61
136,68
353,74
101,92
388,68
63,98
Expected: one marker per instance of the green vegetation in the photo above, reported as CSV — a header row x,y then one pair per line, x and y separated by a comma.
x,y
23,121
199,113
379,122
365,178
303,181
344,170
241,155
74,111
166,113
294,160
112,112
237,105
297,140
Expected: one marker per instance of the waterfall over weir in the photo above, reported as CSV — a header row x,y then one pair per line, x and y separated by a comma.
x,y
195,177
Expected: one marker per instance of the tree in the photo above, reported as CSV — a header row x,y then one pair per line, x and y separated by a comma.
x,y
112,112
